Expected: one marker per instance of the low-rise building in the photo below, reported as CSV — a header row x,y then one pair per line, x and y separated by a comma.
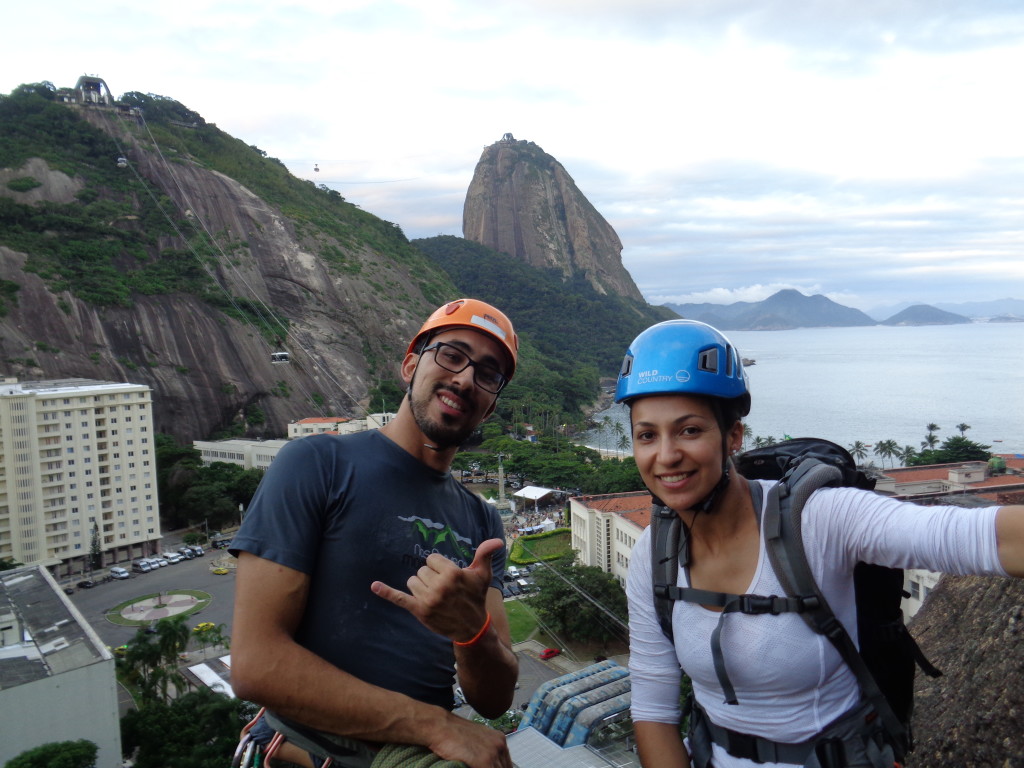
x,y
244,452
316,425
606,527
57,678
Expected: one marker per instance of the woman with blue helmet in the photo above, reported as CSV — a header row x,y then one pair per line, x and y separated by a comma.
x,y
687,393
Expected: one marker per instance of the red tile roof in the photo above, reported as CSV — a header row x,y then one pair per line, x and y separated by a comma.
x,y
634,506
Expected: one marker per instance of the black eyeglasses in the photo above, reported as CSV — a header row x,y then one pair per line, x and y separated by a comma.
x,y
453,359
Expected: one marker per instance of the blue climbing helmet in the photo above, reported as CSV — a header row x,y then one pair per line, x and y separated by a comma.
x,y
683,357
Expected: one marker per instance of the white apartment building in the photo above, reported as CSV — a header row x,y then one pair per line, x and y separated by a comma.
x,y
76,456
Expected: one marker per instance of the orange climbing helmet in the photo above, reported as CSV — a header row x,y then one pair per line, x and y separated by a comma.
x,y
476,315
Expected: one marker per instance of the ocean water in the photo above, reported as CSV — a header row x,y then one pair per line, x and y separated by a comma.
x,y
882,383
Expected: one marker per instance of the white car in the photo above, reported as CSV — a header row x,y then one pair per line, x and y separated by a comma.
x,y
172,557
160,561
119,573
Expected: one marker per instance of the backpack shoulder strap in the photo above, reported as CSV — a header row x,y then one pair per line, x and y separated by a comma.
x,y
668,538
784,542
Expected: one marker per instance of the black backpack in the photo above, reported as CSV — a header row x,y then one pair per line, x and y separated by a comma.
x,y
888,656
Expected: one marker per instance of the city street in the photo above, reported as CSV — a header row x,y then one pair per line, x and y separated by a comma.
x,y
96,602
188,574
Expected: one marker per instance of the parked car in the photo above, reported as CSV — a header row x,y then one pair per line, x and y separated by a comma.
x,y
69,590
119,573
549,653
505,591
187,553
86,584
161,562
142,566
172,557
197,549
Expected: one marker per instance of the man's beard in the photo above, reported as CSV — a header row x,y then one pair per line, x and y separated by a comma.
x,y
443,435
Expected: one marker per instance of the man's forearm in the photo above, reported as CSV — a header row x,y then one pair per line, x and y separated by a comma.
x,y
488,669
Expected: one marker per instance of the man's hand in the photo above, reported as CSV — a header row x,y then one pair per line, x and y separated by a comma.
x,y
446,599
475,744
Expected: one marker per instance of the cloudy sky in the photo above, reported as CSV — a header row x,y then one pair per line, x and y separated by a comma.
x,y
868,150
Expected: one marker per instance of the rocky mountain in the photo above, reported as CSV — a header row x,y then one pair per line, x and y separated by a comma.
x,y
188,266
522,202
922,314
784,310
971,628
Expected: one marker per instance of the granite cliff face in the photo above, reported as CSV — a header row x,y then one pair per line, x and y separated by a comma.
x,y
346,327
522,202
971,628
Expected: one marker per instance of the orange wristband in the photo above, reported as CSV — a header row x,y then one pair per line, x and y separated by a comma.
x,y
478,635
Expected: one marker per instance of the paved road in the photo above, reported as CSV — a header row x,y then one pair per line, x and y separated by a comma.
x,y
188,574
95,603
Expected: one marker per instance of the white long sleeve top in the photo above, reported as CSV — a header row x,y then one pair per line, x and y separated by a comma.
x,y
790,681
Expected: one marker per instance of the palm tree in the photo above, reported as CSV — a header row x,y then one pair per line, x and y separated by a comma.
x,y
620,432
907,454
747,434
623,443
858,450
963,428
606,425
930,441
886,449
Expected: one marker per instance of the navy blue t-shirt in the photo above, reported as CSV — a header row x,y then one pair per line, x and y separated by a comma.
x,y
350,510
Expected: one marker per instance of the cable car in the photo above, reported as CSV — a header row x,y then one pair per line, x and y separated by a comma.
x,y
279,357
122,162
316,168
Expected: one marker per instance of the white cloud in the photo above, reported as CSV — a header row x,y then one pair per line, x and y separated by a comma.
x,y
861,149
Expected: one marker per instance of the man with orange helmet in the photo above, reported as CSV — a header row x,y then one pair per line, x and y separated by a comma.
x,y
367,574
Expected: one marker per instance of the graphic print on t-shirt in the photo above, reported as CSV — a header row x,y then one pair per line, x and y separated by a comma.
x,y
442,539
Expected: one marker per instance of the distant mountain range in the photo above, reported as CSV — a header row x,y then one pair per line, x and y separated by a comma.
x,y
791,309
1006,309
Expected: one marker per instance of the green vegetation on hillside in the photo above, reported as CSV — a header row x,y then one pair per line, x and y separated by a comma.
x,y
570,334
111,242
338,231
568,322
104,246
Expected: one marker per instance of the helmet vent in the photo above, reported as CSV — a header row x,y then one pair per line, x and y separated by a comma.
x,y
627,365
708,360
728,360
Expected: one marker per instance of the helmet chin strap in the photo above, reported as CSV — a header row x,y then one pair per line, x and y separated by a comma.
x,y
708,504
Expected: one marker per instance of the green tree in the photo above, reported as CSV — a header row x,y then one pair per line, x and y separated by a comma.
x,y
954,450
963,428
197,730
151,661
57,754
859,450
907,455
9,564
581,603
95,552
212,637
